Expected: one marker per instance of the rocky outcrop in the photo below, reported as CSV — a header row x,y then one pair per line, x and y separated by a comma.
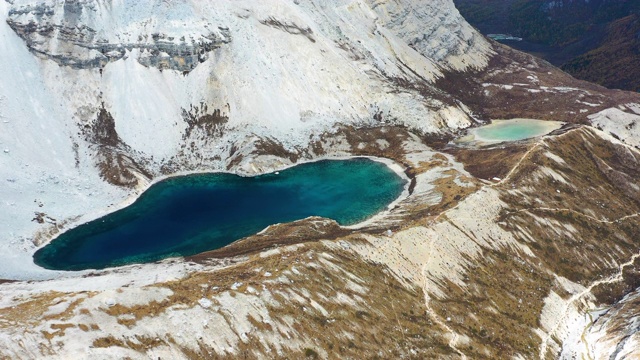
x,y
423,24
67,33
614,335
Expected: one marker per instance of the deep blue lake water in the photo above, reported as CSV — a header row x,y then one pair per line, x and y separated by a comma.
x,y
191,214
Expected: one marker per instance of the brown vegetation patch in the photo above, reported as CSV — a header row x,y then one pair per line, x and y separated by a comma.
x,y
499,305
129,322
588,189
584,255
58,330
389,320
119,169
68,313
41,218
46,234
364,141
394,317
620,321
437,160
610,293
451,195
212,124
306,230
317,148
437,141
508,67
108,341
290,28
391,323
487,163
137,312
30,310
50,230
573,224
235,161
137,343
621,166
272,147
103,129
115,165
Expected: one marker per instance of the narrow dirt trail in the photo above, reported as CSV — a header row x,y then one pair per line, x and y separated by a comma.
x,y
454,336
538,144
453,342
544,345
529,210
610,280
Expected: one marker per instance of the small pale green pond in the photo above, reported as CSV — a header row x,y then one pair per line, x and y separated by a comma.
x,y
191,214
510,130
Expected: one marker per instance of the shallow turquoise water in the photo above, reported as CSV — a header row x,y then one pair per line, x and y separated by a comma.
x,y
513,130
190,214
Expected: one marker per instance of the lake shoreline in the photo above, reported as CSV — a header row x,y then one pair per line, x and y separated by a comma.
x,y
390,164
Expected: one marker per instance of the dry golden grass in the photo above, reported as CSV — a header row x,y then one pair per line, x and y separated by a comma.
x,y
58,330
394,316
487,163
452,194
589,252
29,311
499,306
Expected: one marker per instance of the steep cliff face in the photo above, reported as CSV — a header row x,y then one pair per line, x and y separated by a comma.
x,y
111,55
436,30
614,335
86,34
90,34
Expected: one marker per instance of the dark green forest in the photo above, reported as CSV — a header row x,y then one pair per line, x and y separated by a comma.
x,y
594,40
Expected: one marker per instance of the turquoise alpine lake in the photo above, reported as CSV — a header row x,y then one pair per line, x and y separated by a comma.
x,y
510,130
186,215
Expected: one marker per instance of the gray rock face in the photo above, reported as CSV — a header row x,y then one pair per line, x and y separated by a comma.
x,y
434,28
65,33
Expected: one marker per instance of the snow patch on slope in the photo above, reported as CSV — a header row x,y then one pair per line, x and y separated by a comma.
x,y
623,125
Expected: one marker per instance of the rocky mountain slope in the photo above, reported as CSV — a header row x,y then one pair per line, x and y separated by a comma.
x,y
493,251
